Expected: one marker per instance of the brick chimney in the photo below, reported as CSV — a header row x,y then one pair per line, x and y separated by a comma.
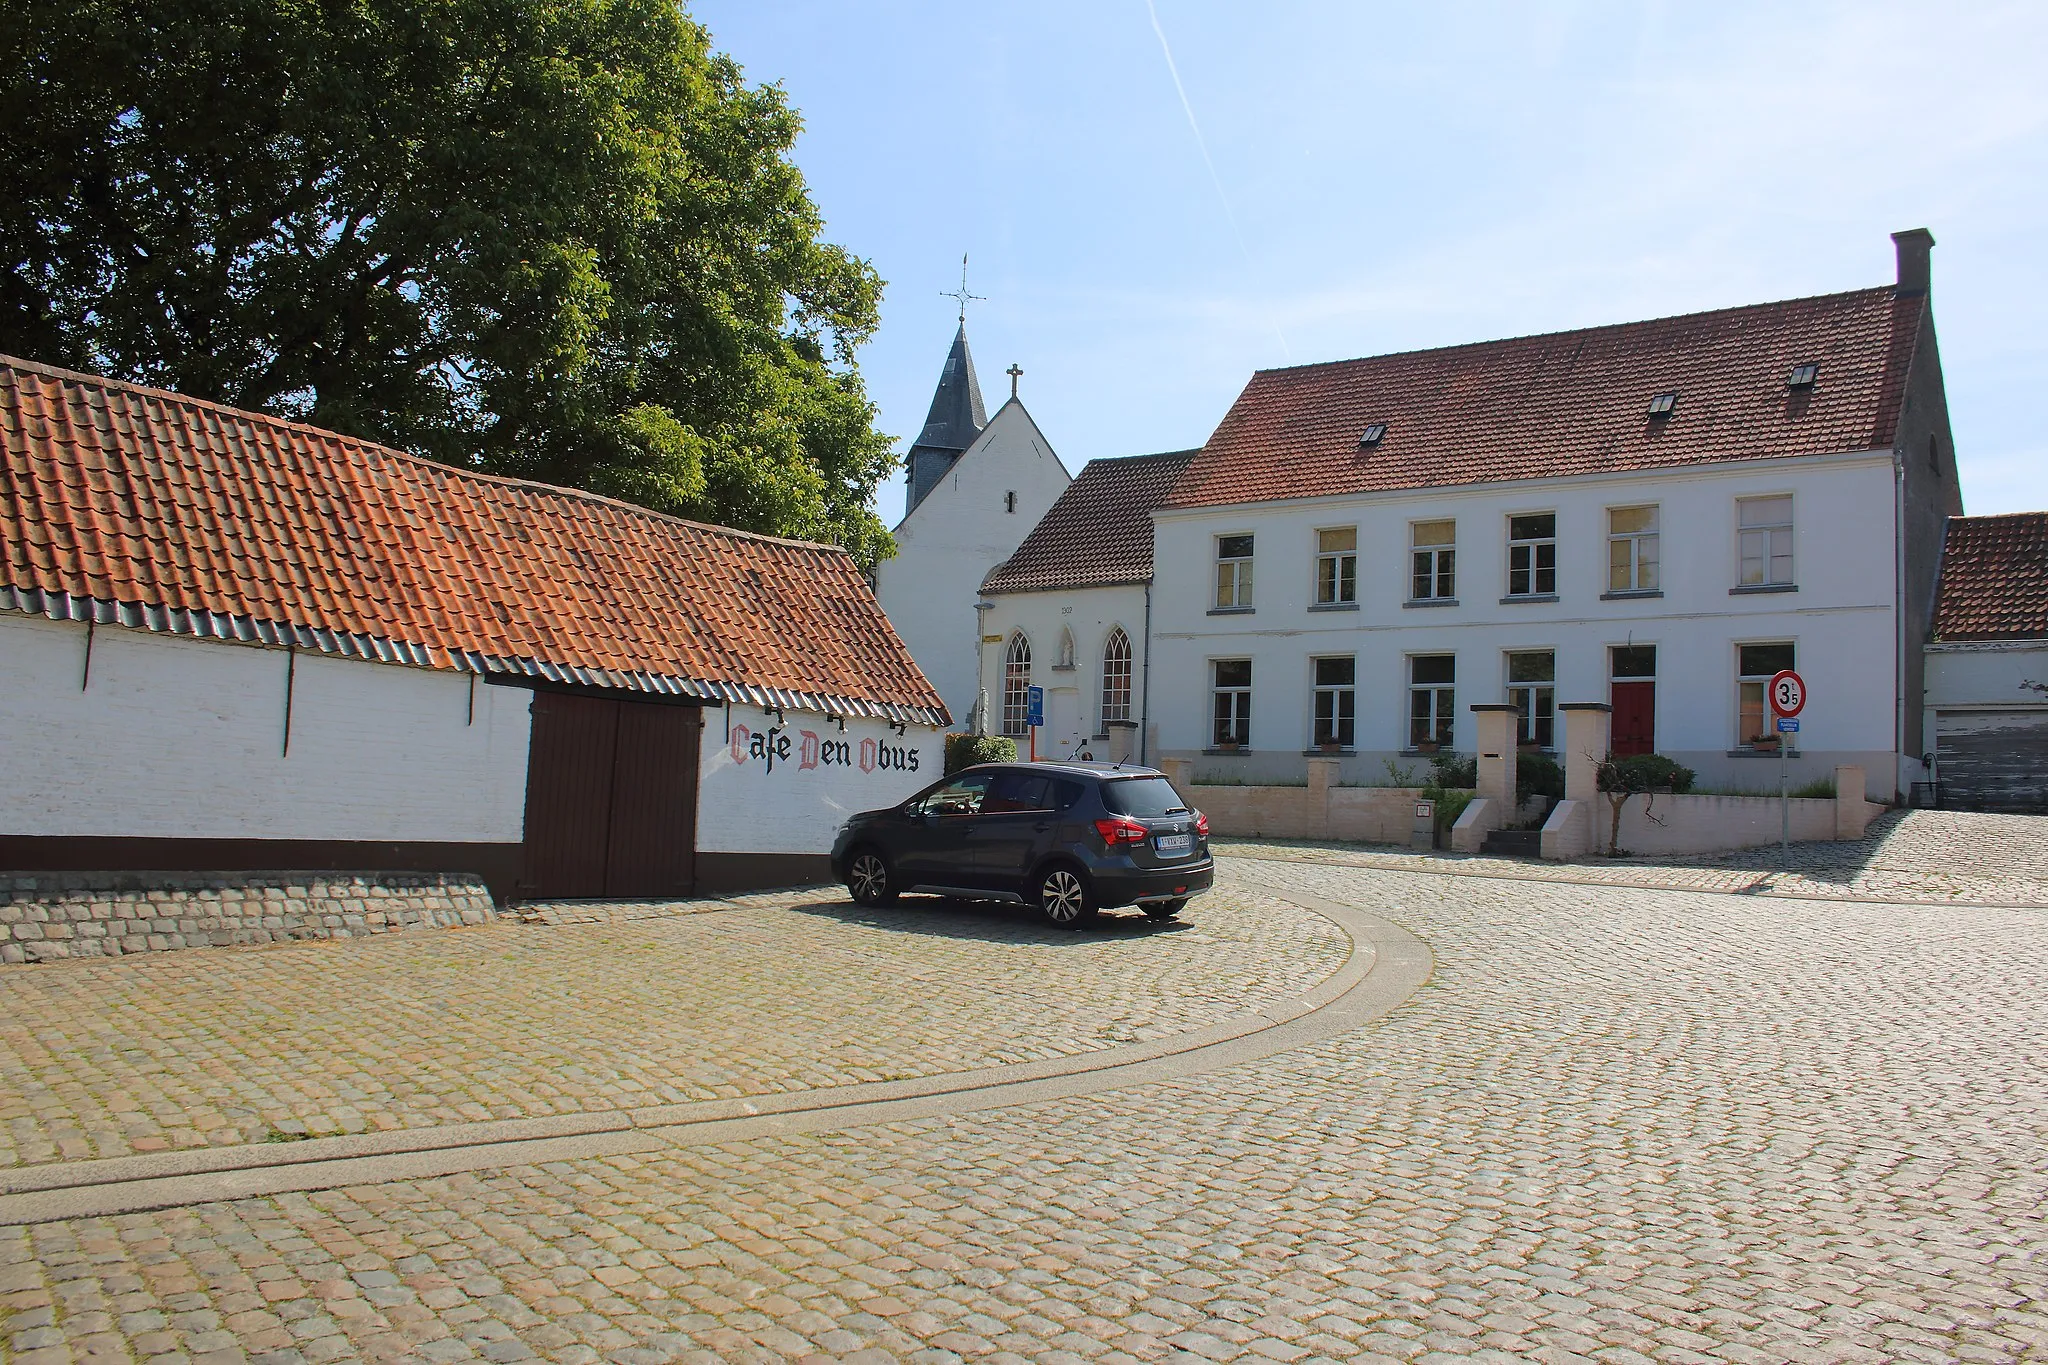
x,y
1915,246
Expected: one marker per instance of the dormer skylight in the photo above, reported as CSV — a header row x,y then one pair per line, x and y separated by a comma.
x,y
1803,376
1374,434
1662,404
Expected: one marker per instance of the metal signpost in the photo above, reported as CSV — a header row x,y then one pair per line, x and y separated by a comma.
x,y
1787,692
1034,715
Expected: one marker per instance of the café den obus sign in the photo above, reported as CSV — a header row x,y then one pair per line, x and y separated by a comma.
x,y
778,747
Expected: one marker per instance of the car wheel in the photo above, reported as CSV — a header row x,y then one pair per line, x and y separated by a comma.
x,y
1166,909
1065,898
867,877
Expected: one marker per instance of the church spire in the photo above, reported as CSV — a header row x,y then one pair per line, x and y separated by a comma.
x,y
956,418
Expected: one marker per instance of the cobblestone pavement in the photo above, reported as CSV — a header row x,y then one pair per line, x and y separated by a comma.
x,y
1919,855
776,993
1617,1125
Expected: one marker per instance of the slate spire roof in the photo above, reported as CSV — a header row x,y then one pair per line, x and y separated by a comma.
x,y
1994,578
127,505
1099,532
1571,403
956,418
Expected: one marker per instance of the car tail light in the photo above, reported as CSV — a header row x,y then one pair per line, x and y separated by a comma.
x,y
1121,830
1201,824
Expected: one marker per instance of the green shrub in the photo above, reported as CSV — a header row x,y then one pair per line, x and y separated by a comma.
x,y
1538,774
1448,770
1622,778
1820,789
964,751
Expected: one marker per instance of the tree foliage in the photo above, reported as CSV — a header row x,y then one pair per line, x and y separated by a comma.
x,y
553,239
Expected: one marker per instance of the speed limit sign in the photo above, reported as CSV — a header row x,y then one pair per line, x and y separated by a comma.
x,y
1788,693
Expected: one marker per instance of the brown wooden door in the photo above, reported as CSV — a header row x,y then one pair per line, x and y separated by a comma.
x,y
611,798
1635,718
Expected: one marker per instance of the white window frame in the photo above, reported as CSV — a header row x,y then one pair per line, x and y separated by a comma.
x,y
1116,677
1230,705
1642,548
1530,550
1336,583
1233,582
1767,736
1441,709
1768,544
1017,686
1440,557
1341,712
1535,700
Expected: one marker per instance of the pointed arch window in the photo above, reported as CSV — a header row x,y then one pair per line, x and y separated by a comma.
x,y
1016,682
1116,677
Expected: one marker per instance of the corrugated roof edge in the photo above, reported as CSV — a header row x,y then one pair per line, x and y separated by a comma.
x,y
282,634
1887,289
100,381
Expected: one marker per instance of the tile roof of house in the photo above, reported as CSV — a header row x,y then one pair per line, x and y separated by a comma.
x,y
1570,403
1994,578
131,505
1099,532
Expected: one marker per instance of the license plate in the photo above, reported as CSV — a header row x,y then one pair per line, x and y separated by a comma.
x,y
1174,843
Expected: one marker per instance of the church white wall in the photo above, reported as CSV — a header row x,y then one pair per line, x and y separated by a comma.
x,y
949,542
1073,709
786,785
182,738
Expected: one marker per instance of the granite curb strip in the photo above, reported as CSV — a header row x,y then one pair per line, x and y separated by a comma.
x,y
1385,966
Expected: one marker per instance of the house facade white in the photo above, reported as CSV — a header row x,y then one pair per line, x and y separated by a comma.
x,y
970,508
1657,517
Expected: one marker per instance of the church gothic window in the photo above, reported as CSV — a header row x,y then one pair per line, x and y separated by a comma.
x,y
1116,677
1016,685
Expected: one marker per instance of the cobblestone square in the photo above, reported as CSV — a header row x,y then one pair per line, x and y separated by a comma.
x,y
1618,1123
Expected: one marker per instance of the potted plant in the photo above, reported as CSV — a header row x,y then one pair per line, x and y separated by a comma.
x,y
1329,746
1228,746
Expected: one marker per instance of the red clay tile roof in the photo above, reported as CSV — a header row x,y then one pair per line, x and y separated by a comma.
x,y
1994,579
1570,403
1100,530
126,504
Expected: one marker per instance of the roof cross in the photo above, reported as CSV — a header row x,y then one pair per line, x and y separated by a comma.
x,y
964,297
1015,372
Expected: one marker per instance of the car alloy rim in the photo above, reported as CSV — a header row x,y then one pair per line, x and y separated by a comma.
x,y
1062,896
869,877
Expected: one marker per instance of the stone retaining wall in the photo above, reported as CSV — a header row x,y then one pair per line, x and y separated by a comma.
x,y
105,914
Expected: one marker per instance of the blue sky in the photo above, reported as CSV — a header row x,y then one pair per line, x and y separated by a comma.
x,y
1399,178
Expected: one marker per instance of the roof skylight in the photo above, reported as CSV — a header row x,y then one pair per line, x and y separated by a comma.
x,y
1374,434
1662,404
1803,376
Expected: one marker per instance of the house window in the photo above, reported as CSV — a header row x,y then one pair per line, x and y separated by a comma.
x,y
1116,677
1532,555
1435,548
1233,572
1010,502
1766,536
1632,554
1336,700
1016,685
1232,684
1337,567
1532,688
1755,665
1432,700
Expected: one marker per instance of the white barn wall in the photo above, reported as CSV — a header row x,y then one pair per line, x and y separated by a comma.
x,y
748,805
180,738
949,542
1842,617
1073,720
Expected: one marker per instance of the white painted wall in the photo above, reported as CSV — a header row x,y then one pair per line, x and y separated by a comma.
x,y
1841,619
180,738
1988,673
948,543
818,777
1073,697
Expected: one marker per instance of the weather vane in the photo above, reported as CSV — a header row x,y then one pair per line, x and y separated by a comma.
x,y
963,296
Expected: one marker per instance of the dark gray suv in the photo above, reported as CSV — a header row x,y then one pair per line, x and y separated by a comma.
x,y
1069,838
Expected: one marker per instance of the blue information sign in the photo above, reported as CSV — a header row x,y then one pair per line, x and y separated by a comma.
x,y
1787,725
1034,706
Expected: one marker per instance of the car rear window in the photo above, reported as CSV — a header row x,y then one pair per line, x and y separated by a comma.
x,y
1142,796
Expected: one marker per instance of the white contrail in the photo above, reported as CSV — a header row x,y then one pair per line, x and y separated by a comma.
x,y
1202,143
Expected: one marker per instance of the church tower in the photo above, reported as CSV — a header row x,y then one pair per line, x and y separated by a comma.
x,y
955,419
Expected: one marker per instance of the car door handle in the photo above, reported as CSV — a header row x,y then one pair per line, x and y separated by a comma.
x,y
1042,826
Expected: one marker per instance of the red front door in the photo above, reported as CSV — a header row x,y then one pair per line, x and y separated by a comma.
x,y
1635,718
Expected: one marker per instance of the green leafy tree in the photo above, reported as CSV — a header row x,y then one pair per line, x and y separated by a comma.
x,y
553,239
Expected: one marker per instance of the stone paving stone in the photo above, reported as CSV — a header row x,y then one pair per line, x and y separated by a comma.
x,y
776,993
1616,1125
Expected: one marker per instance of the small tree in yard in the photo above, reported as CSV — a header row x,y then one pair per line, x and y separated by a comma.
x,y
1649,774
